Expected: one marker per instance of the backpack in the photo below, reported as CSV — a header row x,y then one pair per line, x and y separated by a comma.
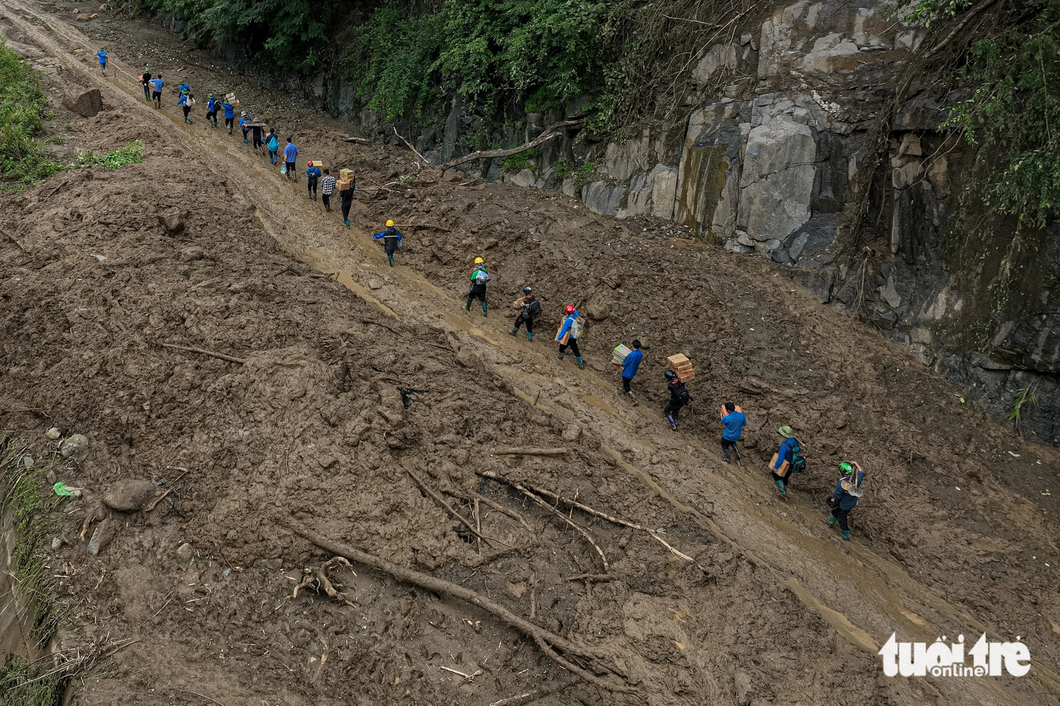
x,y
533,309
798,461
683,395
273,144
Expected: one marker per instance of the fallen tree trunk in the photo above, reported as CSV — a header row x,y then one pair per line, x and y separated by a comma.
x,y
430,583
552,132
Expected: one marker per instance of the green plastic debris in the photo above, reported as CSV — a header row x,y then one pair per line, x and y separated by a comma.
x,y
65,491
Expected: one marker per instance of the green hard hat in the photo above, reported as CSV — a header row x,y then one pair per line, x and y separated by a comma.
x,y
846,468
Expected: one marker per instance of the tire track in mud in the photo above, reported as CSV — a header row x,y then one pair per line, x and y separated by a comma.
x,y
887,594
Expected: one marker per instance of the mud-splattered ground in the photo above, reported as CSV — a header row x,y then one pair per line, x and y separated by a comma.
x,y
352,384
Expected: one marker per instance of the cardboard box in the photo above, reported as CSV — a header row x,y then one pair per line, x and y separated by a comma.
x,y
682,367
620,353
342,185
346,174
319,165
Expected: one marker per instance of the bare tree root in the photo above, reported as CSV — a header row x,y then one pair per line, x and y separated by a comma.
x,y
504,511
449,508
552,641
521,699
578,528
317,579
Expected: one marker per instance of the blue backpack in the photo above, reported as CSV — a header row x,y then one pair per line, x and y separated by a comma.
x,y
798,461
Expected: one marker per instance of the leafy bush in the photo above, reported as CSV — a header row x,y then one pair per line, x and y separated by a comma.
x,y
520,161
131,153
23,108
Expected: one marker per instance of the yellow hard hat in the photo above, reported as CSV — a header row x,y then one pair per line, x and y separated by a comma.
x,y
479,260
389,222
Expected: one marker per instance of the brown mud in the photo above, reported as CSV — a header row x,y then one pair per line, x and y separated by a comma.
x,y
356,373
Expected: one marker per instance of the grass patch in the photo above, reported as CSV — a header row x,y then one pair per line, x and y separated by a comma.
x,y
23,108
131,153
26,684
520,161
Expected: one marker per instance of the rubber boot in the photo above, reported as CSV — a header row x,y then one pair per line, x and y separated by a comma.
x,y
514,331
468,307
484,307
391,259
347,222
673,424
581,363
530,337
559,356
830,520
846,535
781,488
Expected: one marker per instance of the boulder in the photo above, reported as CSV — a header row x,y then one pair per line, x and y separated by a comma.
x,y
524,178
776,184
664,193
129,495
86,104
603,198
73,445
598,312
173,221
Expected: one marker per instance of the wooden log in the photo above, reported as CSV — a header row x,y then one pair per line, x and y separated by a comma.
x,y
551,133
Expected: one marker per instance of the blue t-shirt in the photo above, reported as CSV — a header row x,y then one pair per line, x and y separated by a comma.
x,y
211,105
102,56
312,173
734,423
158,83
182,100
290,152
230,110
631,363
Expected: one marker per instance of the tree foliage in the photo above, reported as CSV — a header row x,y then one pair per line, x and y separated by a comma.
x,y
23,108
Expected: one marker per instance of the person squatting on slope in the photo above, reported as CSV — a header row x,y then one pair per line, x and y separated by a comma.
x,y
102,55
734,421
391,240
327,188
845,496
629,366
290,154
787,460
156,90
230,114
479,278
312,178
145,81
567,335
679,397
529,308
346,201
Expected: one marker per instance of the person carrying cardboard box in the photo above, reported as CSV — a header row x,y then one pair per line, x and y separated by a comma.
x,y
629,366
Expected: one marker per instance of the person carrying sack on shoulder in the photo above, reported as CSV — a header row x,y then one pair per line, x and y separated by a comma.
x,y
567,335
845,496
529,308
479,278
787,460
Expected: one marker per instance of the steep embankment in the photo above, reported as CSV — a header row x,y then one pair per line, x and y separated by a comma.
x,y
337,394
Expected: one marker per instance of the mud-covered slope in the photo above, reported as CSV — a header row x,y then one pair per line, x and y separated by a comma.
x,y
344,393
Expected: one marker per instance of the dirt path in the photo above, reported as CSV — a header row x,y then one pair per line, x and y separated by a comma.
x,y
773,563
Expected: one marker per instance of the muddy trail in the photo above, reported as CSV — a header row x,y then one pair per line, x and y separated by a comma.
x,y
357,397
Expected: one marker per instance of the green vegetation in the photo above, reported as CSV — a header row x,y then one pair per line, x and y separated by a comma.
x,y
129,154
520,161
1013,113
23,108
25,684
1022,397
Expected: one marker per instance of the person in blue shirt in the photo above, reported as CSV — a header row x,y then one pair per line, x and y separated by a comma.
x,y
156,90
211,110
786,453
230,114
568,335
184,88
845,496
629,368
272,144
734,420
290,154
186,101
102,54
391,240
312,178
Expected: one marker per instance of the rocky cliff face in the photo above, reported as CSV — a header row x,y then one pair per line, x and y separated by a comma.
x,y
761,160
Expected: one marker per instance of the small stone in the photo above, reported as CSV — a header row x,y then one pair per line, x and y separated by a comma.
x,y
27,462
57,544
73,445
598,312
375,283
192,253
129,495
572,433
185,552
53,433
105,532
52,478
173,221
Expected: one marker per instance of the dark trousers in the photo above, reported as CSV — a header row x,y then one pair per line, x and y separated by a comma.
x,y
841,517
473,295
573,344
311,184
290,169
726,445
186,109
346,209
625,385
520,320
326,200
229,123
672,409
147,91
782,479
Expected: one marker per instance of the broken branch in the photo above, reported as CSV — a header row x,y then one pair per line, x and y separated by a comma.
x,y
504,511
549,134
202,351
436,585
409,145
581,530
529,696
441,501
